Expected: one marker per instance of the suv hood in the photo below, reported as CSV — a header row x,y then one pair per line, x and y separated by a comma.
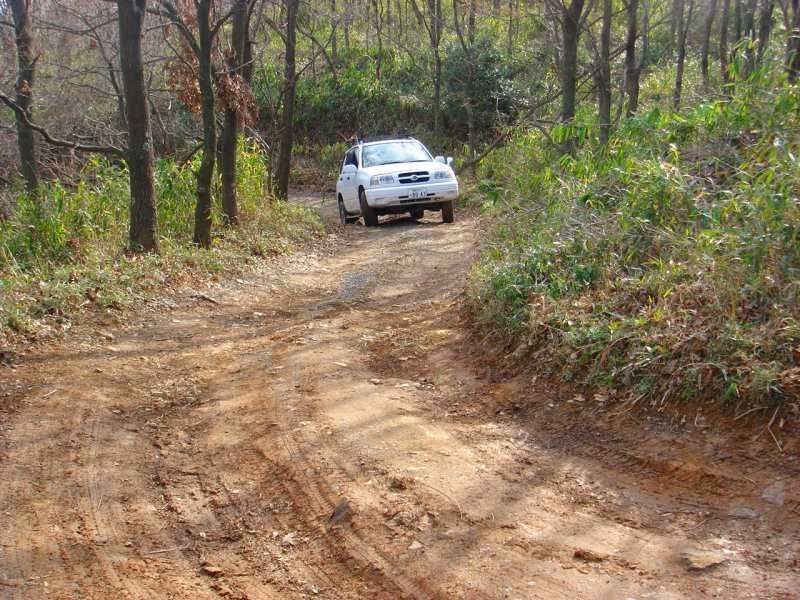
x,y
428,165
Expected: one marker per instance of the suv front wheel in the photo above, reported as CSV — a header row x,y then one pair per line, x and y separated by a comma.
x,y
448,215
369,214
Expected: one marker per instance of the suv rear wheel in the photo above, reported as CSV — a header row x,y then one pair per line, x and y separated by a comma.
x,y
369,214
417,213
448,215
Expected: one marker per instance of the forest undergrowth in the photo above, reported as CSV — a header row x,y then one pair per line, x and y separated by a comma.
x,y
662,268
63,253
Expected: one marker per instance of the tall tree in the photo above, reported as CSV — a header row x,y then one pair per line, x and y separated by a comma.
x,y
683,29
631,67
200,47
571,18
765,28
239,71
468,47
724,25
676,9
378,9
604,75
749,32
26,66
289,90
432,21
793,44
205,174
706,44
334,35
143,228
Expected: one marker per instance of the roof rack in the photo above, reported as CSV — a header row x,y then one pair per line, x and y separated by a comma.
x,y
382,138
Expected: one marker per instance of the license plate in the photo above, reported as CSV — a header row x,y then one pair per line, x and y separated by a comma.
x,y
420,193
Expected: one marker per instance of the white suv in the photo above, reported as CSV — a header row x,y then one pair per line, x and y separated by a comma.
x,y
392,176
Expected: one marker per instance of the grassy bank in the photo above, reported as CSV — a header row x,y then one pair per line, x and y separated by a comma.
x,y
64,253
663,268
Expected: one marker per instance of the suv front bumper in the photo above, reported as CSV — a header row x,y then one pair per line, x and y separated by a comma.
x,y
411,194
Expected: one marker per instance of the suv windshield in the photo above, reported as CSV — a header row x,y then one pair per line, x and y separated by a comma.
x,y
393,152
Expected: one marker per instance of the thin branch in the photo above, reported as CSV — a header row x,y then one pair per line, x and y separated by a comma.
x,y
53,141
323,50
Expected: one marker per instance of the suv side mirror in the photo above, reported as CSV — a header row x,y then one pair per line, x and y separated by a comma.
x,y
449,161
439,159
349,169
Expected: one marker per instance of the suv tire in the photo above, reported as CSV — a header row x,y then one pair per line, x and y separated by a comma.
x,y
448,215
369,214
345,218
417,213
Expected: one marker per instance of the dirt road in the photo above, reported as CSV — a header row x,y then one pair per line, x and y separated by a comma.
x,y
318,429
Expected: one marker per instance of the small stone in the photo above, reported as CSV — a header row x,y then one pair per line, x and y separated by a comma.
x,y
212,570
773,494
415,545
289,539
698,559
588,555
341,512
743,512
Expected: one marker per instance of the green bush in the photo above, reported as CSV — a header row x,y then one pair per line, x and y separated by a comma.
x,y
667,263
65,249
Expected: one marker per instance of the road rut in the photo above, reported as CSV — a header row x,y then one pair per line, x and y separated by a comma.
x,y
322,429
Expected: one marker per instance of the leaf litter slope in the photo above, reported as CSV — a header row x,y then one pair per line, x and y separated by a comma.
x,y
321,431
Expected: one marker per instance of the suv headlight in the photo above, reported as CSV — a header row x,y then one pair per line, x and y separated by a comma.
x,y
443,175
381,179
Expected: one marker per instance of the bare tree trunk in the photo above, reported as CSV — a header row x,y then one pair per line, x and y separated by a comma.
x,y
290,87
202,215
793,45
737,21
237,62
471,22
510,50
683,28
723,40
26,65
347,28
631,67
438,19
334,34
570,31
472,135
749,25
437,91
468,46
379,36
643,61
143,220
432,21
673,27
708,25
765,28
604,75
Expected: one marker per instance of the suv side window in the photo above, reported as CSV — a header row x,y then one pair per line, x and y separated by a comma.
x,y
351,158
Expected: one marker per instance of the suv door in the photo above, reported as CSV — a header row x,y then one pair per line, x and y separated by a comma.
x,y
348,181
